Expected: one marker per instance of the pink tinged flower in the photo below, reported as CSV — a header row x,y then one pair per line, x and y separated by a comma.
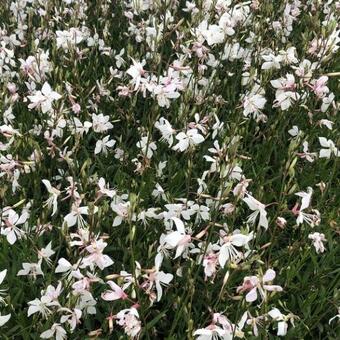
x,y
129,320
210,263
54,293
319,86
96,256
104,189
11,221
76,108
72,318
82,285
56,331
259,209
116,293
285,91
252,284
122,211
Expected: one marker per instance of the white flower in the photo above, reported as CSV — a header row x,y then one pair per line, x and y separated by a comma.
x,y
294,131
136,71
72,37
178,239
329,148
66,267
166,130
282,325
164,93
187,139
318,240
43,99
227,23
158,192
56,331
259,209
32,269
75,216
2,291
213,34
228,251
327,101
271,62
254,101
103,144
41,306
327,123
147,146
162,278
100,123
80,127
213,332
306,198
46,253
4,319
288,57
53,199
